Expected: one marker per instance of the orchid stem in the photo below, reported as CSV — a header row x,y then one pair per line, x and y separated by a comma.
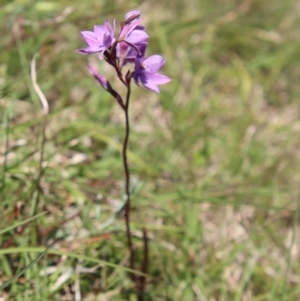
x,y
127,181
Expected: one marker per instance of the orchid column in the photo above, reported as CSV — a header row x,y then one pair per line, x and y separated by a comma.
x,y
126,47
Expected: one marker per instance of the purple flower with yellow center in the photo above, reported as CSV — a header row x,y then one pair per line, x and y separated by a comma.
x,y
98,40
146,72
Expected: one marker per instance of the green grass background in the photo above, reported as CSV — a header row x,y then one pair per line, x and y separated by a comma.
x,y
214,158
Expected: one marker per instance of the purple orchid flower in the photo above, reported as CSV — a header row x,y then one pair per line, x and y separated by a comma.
x,y
128,46
98,40
146,72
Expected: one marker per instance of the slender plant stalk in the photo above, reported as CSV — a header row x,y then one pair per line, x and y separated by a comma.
x,y
127,181
144,269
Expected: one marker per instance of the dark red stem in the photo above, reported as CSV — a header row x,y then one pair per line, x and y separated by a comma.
x,y
127,182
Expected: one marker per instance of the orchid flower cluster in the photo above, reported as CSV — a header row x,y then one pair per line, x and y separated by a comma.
x,y
127,47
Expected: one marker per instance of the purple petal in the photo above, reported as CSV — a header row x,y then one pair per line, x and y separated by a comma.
x,y
138,63
82,51
113,28
148,83
137,36
107,26
107,40
136,78
132,54
90,50
153,63
151,86
99,31
89,38
133,46
127,29
150,80
142,47
157,78
110,28
122,49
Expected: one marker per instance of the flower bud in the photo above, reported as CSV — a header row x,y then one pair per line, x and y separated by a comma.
x,y
100,78
132,15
